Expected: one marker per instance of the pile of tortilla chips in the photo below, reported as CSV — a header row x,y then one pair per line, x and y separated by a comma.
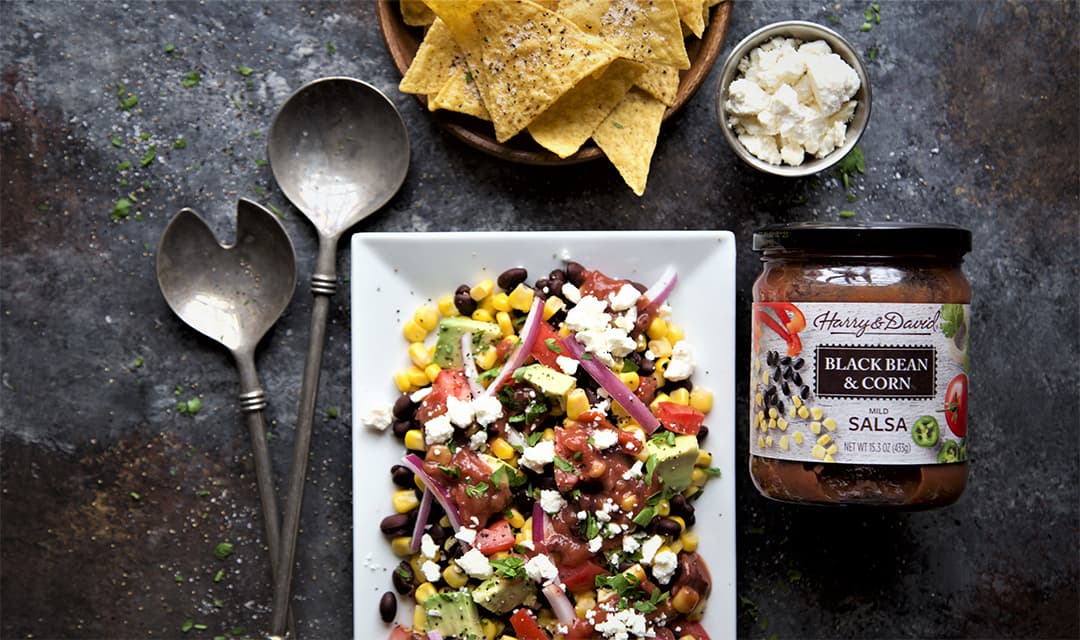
x,y
564,71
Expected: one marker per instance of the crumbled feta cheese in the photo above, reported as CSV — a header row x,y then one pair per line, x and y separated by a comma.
x,y
664,565
589,314
682,362
537,456
466,535
633,472
540,568
603,514
431,570
621,625
420,394
649,549
488,409
478,440
626,321
378,417
514,437
551,501
571,293
569,366
625,298
605,438
475,564
461,412
595,544
438,430
631,544
428,548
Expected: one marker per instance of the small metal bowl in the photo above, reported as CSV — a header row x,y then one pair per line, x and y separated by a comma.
x,y
804,32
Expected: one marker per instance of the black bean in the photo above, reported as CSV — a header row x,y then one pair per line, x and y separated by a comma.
x,y
395,525
703,433
785,361
805,392
437,533
647,367
798,364
770,358
388,606
785,388
575,273
401,427
780,407
543,286
668,527
463,300
797,379
402,476
690,519
787,373
678,505
511,278
404,407
777,374
403,578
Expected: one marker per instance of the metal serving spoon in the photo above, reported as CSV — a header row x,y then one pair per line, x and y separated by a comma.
x,y
339,151
233,294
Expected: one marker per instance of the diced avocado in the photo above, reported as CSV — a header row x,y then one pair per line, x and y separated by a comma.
x,y
448,342
552,383
674,464
499,594
453,615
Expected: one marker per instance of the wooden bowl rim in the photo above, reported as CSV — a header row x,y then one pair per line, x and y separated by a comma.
x,y
402,42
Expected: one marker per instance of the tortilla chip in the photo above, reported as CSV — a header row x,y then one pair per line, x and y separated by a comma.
x,y
642,30
661,81
436,61
628,137
569,123
461,95
416,14
691,15
522,57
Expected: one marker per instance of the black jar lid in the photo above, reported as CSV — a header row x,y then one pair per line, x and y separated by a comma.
x,y
880,237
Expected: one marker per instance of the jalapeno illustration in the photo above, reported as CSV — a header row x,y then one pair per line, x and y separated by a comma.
x,y
925,432
950,452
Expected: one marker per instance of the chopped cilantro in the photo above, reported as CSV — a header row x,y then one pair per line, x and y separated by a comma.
x,y
332,413
453,472
617,125
330,48
712,471
854,162
873,53
223,550
277,212
151,153
664,438
629,366
219,575
135,496
189,408
169,48
129,102
245,71
534,438
121,209
509,567
476,490
117,142
650,605
592,527
190,79
124,166
650,468
645,516
553,345
188,625
563,464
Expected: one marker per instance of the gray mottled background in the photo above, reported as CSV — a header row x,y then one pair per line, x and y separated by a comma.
x,y
975,122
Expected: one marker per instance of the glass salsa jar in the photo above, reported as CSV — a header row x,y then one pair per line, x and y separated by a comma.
x,y
859,364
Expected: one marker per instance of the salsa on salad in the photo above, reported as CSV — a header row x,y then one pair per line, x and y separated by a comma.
x,y
553,457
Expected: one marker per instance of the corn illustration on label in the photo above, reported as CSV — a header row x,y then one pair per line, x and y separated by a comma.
x,y
859,383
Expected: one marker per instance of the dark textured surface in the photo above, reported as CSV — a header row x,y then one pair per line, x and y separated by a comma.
x,y
975,122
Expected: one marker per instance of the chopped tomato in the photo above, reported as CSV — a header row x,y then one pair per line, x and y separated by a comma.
x,y
450,382
498,537
402,633
526,627
582,577
629,443
692,629
544,349
680,418
646,389
956,405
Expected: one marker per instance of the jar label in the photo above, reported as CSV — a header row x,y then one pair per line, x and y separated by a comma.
x,y
859,383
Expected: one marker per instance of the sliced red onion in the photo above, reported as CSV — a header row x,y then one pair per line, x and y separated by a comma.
x,y
468,364
416,465
611,383
434,635
422,515
560,604
529,331
662,288
539,523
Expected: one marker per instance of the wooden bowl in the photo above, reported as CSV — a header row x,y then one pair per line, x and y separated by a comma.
x,y
402,41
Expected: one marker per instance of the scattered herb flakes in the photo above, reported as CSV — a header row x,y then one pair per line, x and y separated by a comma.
x,y
135,496
330,48
219,575
117,142
223,550
851,197
138,362
190,79
277,212
189,408
332,413
179,579
755,531
219,603
245,71
866,26
854,162
188,625
617,125
43,207
129,101
124,166
169,48
151,153
179,143
468,77
256,133
846,213
121,209
259,162
834,20
144,136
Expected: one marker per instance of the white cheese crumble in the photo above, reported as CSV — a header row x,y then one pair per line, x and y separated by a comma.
x,y
569,366
379,417
571,293
605,438
631,544
663,567
633,472
428,548
551,501
649,549
461,412
478,440
438,430
539,568
682,362
466,535
793,99
475,564
625,298
537,456
420,394
431,571
595,544
620,625
488,409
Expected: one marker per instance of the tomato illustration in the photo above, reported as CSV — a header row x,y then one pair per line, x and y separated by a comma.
x,y
956,405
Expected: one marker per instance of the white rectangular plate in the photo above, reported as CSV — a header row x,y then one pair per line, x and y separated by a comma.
x,y
392,274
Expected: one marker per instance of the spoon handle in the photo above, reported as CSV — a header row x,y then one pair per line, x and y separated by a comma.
x,y
323,285
252,403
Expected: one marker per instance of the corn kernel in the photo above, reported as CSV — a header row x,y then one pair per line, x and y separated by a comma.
x,y
783,443
701,399
824,439
685,599
690,541
817,413
832,449
675,333
419,354
515,519
680,396
631,379
482,315
773,413
447,307
759,400
419,619
781,424
663,508
552,306
401,546
417,376
486,358
577,403
791,413
628,503
521,298
412,331
401,380
584,603
660,365
761,442
455,577
704,459
502,318
815,428
772,423
500,302
660,397
425,591
488,304
657,328
768,441
829,424
490,628
698,477
502,449
427,317
483,289
660,347
828,458
818,452
797,437
765,377
432,371
414,439
797,401
549,435
804,413
405,500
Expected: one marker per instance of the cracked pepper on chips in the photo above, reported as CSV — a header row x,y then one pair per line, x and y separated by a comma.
x,y
565,71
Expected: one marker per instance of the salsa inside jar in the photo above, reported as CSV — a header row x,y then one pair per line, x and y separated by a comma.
x,y
859,365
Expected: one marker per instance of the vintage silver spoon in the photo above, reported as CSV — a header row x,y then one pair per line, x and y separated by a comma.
x,y
339,151
233,294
